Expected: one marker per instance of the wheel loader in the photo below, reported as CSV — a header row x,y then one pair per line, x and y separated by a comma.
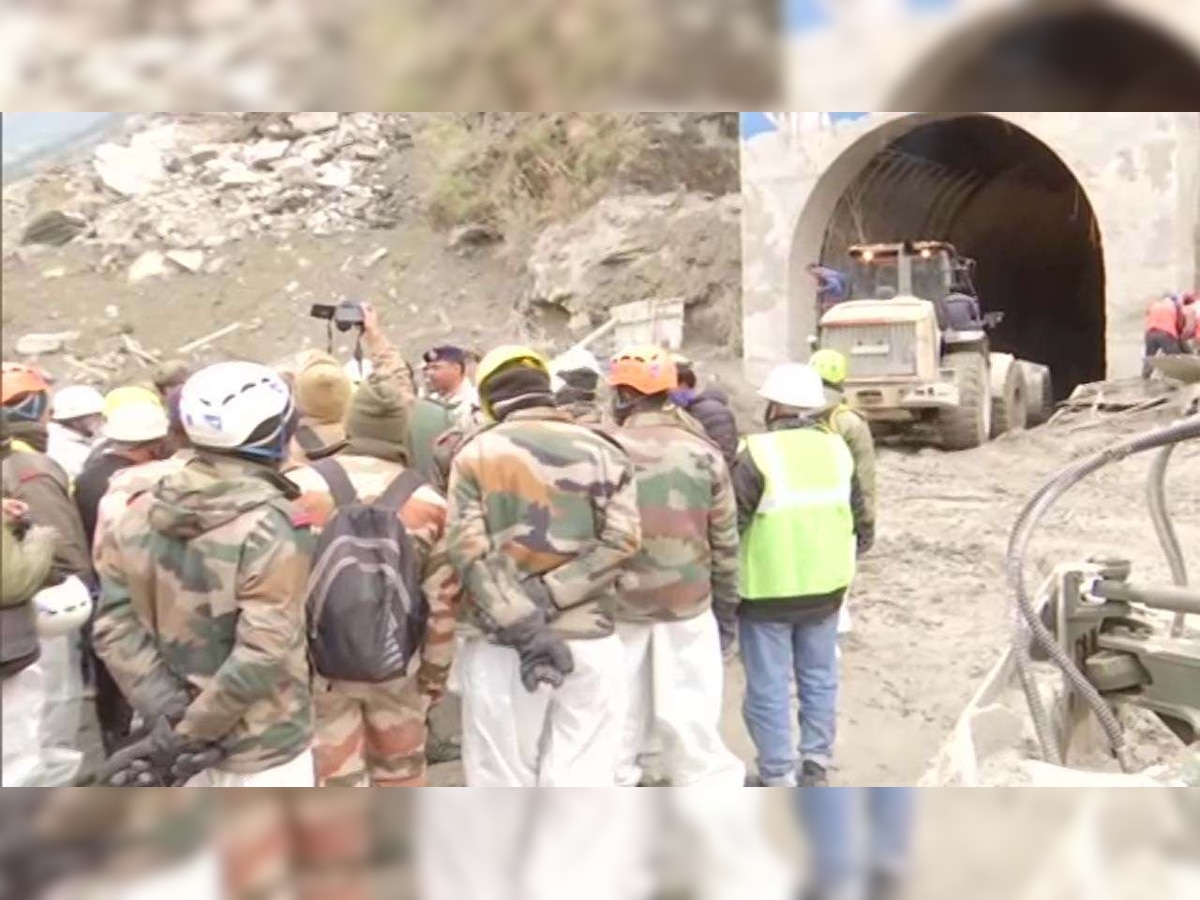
x,y
919,355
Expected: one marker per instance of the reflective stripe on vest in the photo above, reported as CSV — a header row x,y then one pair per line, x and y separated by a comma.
x,y
801,540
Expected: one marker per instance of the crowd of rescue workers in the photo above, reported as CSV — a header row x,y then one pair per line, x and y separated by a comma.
x,y
243,575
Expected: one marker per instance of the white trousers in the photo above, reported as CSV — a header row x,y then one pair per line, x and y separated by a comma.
x,y
22,699
535,845
296,773
553,737
675,677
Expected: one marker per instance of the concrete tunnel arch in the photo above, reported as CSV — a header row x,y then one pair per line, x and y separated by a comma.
x,y
998,193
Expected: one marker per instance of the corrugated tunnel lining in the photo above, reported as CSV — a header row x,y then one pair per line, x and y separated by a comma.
x,y
1004,198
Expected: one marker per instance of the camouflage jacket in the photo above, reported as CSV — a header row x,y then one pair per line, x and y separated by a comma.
x,y
424,517
584,412
126,485
202,604
689,555
540,495
855,431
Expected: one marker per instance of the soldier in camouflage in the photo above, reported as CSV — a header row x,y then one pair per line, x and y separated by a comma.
x,y
201,617
686,570
543,515
576,380
377,732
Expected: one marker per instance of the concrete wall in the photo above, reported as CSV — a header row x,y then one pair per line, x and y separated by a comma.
x,y
1140,172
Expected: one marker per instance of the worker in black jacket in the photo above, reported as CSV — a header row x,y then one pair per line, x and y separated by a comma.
x,y
709,407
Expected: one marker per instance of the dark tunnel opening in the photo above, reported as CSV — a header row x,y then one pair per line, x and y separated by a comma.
x,y
1005,199
1094,59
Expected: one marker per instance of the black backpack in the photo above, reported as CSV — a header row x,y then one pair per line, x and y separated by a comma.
x,y
366,611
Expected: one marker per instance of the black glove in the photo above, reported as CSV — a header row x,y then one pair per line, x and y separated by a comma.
x,y
545,657
866,538
160,759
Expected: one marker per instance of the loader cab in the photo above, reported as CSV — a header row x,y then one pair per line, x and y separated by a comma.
x,y
926,269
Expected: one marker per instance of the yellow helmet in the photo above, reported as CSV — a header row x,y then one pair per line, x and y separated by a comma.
x,y
505,357
130,395
830,365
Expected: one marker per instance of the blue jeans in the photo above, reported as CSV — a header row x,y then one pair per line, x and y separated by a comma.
x,y
773,653
833,818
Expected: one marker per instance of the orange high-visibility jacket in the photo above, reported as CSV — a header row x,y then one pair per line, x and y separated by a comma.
x,y
1165,315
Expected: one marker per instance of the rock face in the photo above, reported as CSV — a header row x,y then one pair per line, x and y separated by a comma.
x,y
204,179
641,247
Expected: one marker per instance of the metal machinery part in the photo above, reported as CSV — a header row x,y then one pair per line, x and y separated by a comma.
x,y
1094,625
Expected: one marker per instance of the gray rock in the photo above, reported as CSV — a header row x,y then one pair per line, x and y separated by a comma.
x,y
238,174
261,154
314,122
151,264
54,228
39,344
335,175
188,260
474,235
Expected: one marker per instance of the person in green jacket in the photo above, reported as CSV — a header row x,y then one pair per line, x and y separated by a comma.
x,y
802,523
844,421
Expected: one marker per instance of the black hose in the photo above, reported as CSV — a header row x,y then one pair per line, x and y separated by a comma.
x,y
1018,543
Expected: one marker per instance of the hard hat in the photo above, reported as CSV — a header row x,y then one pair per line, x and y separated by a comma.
x,y
17,381
795,385
577,359
75,402
358,370
129,395
830,365
63,608
504,356
238,406
137,423
647,370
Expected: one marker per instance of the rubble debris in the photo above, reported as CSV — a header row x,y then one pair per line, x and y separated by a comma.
x,y
209,338
53,228
374,256
151,264
54,272
207,179
188,260
136,350
37,344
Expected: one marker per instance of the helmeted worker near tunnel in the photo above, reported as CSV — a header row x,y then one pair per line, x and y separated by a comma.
x,y
800,514
543,516
685,571
1165,325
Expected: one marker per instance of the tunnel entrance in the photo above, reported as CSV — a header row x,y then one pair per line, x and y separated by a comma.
x,y
1005,199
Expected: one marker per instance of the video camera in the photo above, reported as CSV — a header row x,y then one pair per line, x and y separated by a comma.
x,y
346,315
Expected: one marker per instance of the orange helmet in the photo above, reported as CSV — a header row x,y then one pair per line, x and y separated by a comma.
x,y
17,381
647,370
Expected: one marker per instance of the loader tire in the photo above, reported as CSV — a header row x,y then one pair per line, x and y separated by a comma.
x,y
967,425
1010,408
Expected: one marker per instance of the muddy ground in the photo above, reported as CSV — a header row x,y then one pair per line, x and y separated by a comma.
x,y
931,609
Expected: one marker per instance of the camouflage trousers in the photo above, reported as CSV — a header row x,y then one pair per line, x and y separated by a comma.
x,y
370,733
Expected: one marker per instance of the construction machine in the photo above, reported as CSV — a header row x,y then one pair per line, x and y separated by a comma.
x,y
918,349
1094,646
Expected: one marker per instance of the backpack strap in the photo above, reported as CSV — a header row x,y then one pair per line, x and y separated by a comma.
x,y
339,482
399,491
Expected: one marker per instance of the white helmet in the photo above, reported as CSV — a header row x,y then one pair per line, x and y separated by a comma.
x,y
77,401
137,423
63,608
573,360
795,385
358,371
240,406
